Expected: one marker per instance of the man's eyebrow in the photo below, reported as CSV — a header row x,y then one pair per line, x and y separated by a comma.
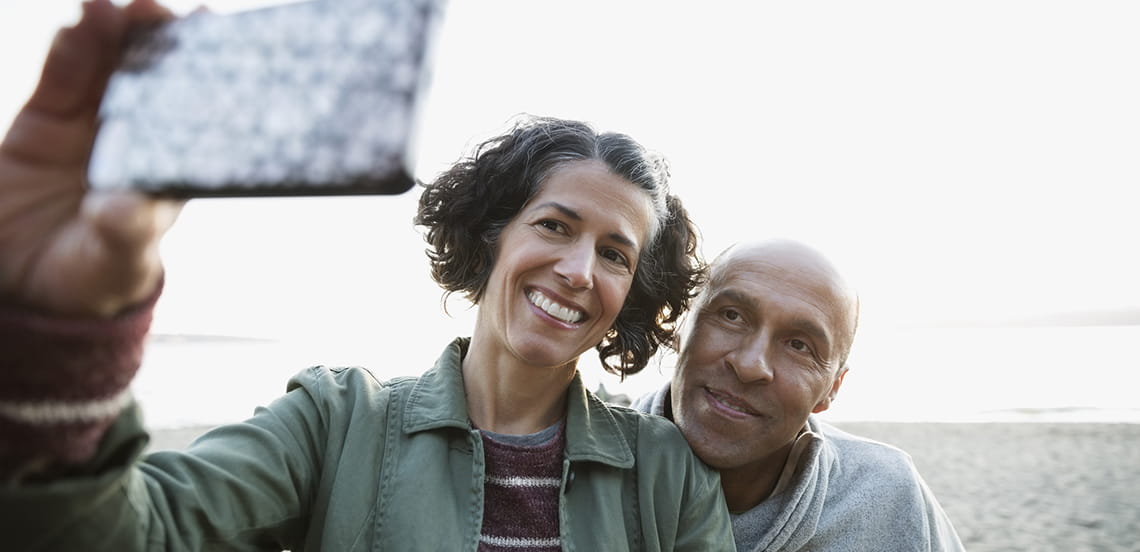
x,y
736,296
572,214
814,330
804,325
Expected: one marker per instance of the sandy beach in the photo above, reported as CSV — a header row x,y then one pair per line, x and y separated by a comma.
x,y
1069,487
1029,486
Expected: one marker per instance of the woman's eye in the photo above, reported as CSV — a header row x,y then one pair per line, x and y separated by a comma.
x,y
800,345
552,225
616,257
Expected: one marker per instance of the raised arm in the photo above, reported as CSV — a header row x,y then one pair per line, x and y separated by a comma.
x,y
78,270
63,250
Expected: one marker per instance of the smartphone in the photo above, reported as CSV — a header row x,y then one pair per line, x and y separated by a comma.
x,y
317,97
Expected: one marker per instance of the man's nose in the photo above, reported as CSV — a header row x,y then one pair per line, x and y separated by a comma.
x,y
750,360
576,267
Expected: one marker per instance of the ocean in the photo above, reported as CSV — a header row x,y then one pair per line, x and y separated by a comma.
x,y
1018,374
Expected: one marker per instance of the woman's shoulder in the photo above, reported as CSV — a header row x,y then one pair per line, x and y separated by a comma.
x,y
347,376
348,387
664,457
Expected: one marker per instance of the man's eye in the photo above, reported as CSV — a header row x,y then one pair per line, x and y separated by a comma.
x,y
800,345
731,315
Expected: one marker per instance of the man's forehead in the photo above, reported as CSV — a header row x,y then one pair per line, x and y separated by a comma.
x,y
751,278
778,262
742,275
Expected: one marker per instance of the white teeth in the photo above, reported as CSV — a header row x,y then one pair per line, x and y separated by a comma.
x,y
730,405
733,407
565,314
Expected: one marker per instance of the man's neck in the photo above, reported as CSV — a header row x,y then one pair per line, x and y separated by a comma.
x,y
746,486
752,485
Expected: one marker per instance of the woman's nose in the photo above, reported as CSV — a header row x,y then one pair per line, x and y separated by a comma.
x,y
576,267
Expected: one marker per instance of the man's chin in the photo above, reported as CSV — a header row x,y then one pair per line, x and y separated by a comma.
x,y
717,457
712,447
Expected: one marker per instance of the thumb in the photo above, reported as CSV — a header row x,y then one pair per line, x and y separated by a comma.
x,y
129,219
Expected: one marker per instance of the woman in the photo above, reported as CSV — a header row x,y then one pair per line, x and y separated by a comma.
x,y
565,239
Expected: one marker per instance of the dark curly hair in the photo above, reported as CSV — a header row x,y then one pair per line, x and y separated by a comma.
x,y
466,208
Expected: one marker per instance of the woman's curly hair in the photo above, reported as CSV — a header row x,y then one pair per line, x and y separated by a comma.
x,y
467,207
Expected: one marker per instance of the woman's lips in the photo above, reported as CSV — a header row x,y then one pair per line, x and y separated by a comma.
x,y
567,314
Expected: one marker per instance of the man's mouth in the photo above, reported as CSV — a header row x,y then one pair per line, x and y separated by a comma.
x,y
560,312
730,402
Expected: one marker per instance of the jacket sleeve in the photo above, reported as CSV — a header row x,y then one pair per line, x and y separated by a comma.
x,y
247,485
704,524
63,382
688,500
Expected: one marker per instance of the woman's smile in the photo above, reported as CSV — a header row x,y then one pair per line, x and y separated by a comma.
x,y
562,313
564,267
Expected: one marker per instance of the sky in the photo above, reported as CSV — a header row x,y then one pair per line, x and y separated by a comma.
x,y
965,163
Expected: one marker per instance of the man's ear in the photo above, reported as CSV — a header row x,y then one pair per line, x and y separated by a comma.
x,y
825,403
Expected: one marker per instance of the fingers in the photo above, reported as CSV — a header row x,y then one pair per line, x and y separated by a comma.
x,y
147,12
106,260
83,56
79,61
57,125
62,250
42,139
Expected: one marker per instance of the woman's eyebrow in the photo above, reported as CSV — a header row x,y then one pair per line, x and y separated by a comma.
x,y
572,214
561,208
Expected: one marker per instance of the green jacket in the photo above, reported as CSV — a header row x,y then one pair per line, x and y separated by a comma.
x,y
345,463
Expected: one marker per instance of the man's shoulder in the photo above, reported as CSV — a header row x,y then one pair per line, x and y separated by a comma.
x,y
860,453
878,484
654,401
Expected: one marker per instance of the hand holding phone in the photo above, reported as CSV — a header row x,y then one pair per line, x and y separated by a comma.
x,y
63,250
310,98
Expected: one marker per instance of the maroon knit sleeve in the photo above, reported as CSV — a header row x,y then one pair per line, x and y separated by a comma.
x,y
63,382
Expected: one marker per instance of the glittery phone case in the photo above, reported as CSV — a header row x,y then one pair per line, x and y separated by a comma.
x,y
316,97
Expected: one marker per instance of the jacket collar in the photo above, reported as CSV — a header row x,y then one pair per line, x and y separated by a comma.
x,y
437,401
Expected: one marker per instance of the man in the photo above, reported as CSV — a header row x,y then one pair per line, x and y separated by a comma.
x,y
766,348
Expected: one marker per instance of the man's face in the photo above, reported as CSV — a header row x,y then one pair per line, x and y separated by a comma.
x,y
763,352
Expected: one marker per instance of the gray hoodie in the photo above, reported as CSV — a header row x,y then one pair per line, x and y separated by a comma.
x,y
840,492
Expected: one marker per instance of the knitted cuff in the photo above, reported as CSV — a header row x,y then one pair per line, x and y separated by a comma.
x,y
63,381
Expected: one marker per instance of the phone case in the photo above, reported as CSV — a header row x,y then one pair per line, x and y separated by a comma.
x,y
312,98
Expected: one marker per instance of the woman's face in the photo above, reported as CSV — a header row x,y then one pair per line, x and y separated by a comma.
x,y
565,264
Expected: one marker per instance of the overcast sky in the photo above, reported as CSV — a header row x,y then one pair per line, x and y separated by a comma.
x,y
963,161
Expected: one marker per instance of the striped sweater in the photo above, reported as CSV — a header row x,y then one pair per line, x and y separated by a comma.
x,y
63,381
520,492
